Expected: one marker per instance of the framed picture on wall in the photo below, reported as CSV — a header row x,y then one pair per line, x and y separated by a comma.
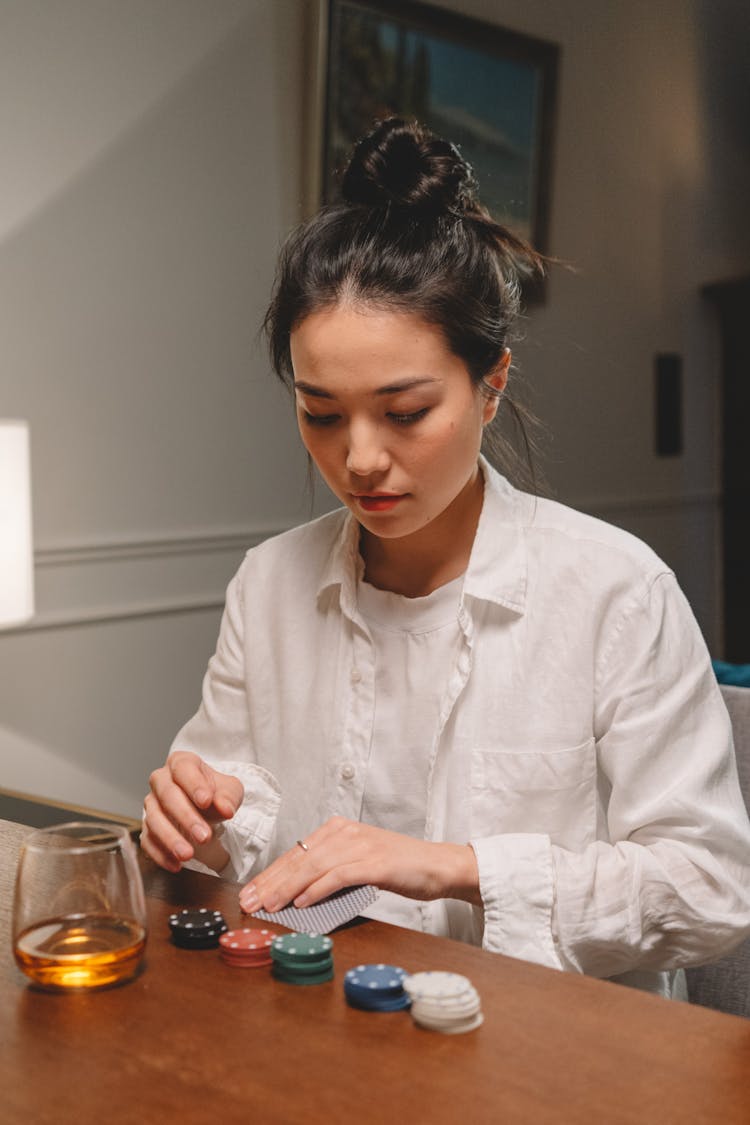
x,y
489,90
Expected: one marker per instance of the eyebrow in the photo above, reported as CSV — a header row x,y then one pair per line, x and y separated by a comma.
x,y
391,389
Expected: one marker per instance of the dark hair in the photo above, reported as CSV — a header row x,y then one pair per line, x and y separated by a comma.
x,y
410,235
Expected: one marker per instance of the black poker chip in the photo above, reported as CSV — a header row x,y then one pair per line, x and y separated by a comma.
x,y
197,929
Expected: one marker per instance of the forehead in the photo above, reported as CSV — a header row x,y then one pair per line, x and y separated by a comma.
x,y
362,338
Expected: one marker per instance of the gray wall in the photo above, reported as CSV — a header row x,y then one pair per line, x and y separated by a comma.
x,y
153,158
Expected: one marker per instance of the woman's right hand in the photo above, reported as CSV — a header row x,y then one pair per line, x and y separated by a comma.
x,y
188,799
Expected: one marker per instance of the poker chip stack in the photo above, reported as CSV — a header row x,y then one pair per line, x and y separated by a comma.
x,y
197,929
302,958
246,948
376,988
446,1002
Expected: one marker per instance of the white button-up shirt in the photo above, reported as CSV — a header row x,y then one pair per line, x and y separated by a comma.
x,y
582,746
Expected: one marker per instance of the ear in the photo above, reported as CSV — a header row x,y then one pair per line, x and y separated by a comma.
x,y
497,379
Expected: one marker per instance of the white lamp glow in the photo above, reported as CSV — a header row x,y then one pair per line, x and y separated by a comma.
x,y
16,555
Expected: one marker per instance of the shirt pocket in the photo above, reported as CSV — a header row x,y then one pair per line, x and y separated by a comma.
x,y
552,792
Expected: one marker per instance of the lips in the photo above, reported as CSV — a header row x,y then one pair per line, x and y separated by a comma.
x,y
379,501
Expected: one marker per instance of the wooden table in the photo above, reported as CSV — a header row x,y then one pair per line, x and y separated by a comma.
x,y
193,1040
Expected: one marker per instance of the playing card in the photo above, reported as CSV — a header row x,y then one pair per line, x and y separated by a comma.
x,y
324,916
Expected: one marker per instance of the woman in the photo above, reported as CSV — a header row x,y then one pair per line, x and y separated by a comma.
x,y
495,709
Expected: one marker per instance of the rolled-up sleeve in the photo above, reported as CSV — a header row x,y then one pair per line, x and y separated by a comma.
x,y
667,884
220,734
671,888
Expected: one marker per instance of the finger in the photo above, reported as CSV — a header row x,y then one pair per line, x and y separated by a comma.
x,y
302,887
347,875
158,854
160,840
178,807
295,871
342,853
293,876
163,834
228,794
217,795
278,884
193,776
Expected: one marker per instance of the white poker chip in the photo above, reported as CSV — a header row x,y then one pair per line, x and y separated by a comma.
x,y
452,1029
445,1002
464,1007
436,985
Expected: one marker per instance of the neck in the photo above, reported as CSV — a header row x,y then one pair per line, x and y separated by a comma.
x,y
417,564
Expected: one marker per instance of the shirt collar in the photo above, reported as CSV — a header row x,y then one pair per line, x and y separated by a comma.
x,y
497,565
345,566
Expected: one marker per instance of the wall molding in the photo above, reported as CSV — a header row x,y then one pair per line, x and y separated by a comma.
x,y
43,622
100,583
646,505
73,554
244,538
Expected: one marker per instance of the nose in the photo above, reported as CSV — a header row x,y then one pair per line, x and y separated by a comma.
x,y
366,450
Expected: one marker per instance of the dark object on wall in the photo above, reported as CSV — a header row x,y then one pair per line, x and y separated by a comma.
x,y
490,91
668,405
732,299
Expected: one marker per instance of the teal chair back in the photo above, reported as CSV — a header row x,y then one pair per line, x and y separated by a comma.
x,y
725,984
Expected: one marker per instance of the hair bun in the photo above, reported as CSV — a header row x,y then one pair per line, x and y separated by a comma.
x,y
402,164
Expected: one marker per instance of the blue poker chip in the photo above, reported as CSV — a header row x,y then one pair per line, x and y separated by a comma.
x,y
371,1004
375,980
376,988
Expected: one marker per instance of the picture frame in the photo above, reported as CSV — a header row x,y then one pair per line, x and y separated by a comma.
x,y
489,90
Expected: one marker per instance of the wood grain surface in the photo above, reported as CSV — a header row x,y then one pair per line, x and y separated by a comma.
x,y
193,1040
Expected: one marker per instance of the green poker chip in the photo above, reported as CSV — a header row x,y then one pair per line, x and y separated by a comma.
x,y
310,968
300,947
317,977
302,958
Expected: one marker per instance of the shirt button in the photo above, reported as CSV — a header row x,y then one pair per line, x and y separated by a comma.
x,y
347,771
356,675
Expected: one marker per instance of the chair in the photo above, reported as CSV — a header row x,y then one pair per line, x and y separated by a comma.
x,y
725,984
43,812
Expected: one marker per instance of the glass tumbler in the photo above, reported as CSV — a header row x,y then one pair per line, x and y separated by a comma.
x,y
79,912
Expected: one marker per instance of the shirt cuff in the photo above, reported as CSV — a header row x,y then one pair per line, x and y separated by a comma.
x,y
517,888
247,835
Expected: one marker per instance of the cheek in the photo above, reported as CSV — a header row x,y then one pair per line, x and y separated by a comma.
x,y
455,442
463,431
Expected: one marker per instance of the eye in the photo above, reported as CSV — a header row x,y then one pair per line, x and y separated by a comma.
x,y
409,419
319,419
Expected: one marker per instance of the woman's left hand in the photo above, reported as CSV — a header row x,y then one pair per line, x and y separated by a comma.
x,y
345,853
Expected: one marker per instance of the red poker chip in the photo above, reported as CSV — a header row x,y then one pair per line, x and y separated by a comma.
x,y
243,961
238,963
247,941
245,955
247,948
